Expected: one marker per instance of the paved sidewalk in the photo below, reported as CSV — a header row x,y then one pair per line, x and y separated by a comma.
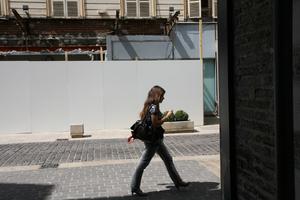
x,y
100,167
100,134
51,154
110,182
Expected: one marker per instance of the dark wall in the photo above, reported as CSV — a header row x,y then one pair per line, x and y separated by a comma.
x,y
37,34
253,102
296,93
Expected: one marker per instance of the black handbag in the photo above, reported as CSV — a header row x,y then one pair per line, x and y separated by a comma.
x,y
140,130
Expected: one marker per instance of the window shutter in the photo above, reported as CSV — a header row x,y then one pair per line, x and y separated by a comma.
x,y
215,8
72,8
58,9
144,8
131,8
194,8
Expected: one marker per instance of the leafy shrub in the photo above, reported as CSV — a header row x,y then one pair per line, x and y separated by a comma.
x,y
180,115
171,118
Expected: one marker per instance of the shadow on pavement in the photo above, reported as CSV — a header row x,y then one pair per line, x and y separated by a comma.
x,y
25,191
196,191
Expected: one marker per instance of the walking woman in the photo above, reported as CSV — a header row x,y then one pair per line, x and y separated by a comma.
x,y
154,120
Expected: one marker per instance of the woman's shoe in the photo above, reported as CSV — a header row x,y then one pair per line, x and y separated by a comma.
x,y
138,192
182,184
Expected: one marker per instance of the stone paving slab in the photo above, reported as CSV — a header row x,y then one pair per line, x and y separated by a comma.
x,y
51,154
110,182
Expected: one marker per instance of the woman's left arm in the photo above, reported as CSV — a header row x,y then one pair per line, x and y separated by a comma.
x,y
156,122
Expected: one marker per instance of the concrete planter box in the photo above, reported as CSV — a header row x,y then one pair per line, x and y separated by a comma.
x,y
180,126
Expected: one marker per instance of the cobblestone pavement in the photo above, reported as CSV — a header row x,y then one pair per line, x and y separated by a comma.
x,y
102,169
50,154
109,182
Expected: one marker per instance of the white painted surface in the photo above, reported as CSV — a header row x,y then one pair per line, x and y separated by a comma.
x,y
120,94
85,82
15,106
50,96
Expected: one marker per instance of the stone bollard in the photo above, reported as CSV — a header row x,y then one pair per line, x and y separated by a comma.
x,y
77,130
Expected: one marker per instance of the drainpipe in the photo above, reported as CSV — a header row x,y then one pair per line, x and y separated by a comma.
x,y
200,41
201,59
217,70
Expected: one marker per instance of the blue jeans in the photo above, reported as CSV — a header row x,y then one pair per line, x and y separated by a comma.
x,y
150,150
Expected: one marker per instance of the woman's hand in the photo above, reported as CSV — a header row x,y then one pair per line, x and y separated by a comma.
x,y
170,112
130,139
157,122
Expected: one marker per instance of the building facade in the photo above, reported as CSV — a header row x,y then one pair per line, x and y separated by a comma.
x,y
37,25
106,9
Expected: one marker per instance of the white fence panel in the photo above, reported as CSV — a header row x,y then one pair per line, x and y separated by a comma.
x,y
86,94
15,106
49,96
120,94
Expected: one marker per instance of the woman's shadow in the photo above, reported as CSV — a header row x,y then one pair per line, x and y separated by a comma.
x,y
195,191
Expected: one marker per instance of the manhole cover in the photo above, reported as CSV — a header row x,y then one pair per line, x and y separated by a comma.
x,y
62,139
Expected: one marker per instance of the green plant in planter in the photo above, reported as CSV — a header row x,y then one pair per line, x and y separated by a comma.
x,y
180,115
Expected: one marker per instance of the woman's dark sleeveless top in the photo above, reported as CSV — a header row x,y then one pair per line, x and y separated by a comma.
x,y
157,131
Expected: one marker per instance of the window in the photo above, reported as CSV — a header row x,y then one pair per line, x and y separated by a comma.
x,y
138,8
65,8
194,8
205,11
